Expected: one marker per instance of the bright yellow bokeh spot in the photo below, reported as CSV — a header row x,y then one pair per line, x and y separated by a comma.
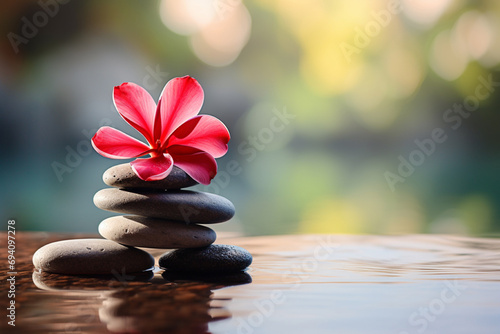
x,y
321,27
331,216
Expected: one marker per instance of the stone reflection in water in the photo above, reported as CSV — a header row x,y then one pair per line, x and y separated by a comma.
x,y
56,282
146,302
173,307
219,280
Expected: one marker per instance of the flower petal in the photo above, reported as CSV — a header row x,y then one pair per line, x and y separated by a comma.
x,y
136,107
200,165
181,100
152,169
114,144
205,133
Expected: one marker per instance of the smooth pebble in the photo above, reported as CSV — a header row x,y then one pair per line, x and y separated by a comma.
x,y
141,231
91,257
214,259
122,176
179,205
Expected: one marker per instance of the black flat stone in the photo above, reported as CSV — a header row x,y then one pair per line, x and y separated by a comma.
x,y
214,259
122,176
178,205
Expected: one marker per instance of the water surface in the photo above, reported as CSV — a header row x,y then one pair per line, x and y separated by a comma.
x,y
296,284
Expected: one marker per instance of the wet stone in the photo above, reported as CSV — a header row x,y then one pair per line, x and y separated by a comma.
x,y
91,257
214,259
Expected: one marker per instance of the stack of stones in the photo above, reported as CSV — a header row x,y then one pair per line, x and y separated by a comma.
x,y
159,215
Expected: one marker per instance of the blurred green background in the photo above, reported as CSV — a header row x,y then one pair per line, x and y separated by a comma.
x,y
332,107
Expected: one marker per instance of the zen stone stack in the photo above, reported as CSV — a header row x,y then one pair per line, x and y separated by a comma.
x,y
158,214
161,214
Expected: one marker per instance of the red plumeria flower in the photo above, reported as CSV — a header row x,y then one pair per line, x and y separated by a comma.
x,y
174,132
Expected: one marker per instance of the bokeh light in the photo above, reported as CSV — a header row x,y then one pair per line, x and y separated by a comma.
x,y
218,30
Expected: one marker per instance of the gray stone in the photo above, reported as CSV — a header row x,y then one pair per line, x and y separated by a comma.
x,y
141,231
122,176
214,259
179,205
91,257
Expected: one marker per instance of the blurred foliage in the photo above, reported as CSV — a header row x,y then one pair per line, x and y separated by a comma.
x,y
360,81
